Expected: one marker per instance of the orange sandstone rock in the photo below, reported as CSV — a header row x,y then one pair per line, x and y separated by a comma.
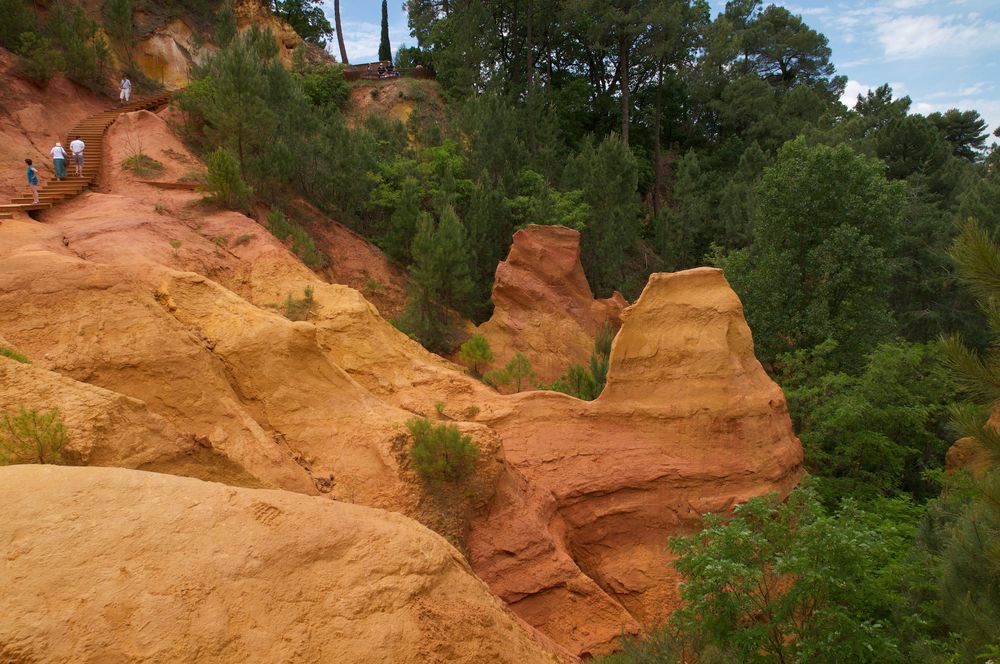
x,y
688,424
543,305
107,565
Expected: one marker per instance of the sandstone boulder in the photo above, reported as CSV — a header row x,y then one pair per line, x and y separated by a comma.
x,y
108,565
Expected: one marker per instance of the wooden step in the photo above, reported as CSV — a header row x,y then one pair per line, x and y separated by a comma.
x,y
25,207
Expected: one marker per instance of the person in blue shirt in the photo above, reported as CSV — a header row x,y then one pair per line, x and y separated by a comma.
x,y
32,179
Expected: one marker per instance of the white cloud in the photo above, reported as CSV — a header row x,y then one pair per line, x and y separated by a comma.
x,y
854,88
851,92
989,109
914,36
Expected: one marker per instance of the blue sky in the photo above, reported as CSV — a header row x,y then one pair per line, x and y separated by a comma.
x,y
942,53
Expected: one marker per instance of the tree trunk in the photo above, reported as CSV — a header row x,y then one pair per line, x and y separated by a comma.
x,y
340,33
530,46
657,165
623,64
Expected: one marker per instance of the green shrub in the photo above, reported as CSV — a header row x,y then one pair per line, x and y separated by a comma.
x,y
40,58
302,243
142,165
31,436
300,309
13,355
441,452
517,371
325,86
588,382
474,352
224,182
17,19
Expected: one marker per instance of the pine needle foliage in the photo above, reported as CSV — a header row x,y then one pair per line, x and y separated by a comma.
x,y
32,436
441,452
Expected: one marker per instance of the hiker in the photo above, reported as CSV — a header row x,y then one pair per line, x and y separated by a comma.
x,y
126,89
59,161
381,70
32,179
76,147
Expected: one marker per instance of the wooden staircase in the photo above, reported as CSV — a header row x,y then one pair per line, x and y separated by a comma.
x,y
91,130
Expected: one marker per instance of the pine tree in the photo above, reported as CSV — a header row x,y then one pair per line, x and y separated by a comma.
x,y
453,280
439,277
384,49
971,559
475,352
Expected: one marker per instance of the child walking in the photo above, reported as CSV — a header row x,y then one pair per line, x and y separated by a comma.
x,y
32,179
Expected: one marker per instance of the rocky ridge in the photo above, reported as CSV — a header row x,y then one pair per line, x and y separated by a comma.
x,y
143,304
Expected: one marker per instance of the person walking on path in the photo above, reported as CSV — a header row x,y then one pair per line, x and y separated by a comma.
x,y
32,179
76,147
126,89
59,161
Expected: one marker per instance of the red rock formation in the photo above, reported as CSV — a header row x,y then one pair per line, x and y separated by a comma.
x,y
543,305
689,423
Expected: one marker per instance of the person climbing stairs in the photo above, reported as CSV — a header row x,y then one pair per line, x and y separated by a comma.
x,y
91,131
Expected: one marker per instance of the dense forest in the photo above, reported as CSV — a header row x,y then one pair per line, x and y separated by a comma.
x,y
862,242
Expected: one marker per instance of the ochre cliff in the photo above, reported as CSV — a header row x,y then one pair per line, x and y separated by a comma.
x,y
689,423
110,565
543,305
159,312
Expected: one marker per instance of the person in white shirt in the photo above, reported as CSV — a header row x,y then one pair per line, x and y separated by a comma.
x,y
59,160
76,147
126,90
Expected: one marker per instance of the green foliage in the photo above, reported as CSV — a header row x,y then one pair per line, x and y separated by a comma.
x,y
32,436
300,309
384,48
970,551
291,233
118,20
40,58
588,382
824,231
607,173
785,581
225,26
517,372
18,20
970,584
439,278
142,165
224,181
965,131
476,352
875,433
538,203
12,354
307,18
325,85
441,452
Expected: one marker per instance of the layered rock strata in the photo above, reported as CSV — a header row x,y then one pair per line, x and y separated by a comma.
x,y
689,423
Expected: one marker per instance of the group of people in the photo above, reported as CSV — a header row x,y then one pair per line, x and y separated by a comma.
x,y
386,70
59,158
76,147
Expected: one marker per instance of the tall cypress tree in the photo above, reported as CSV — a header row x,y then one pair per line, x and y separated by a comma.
x,y
384,49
